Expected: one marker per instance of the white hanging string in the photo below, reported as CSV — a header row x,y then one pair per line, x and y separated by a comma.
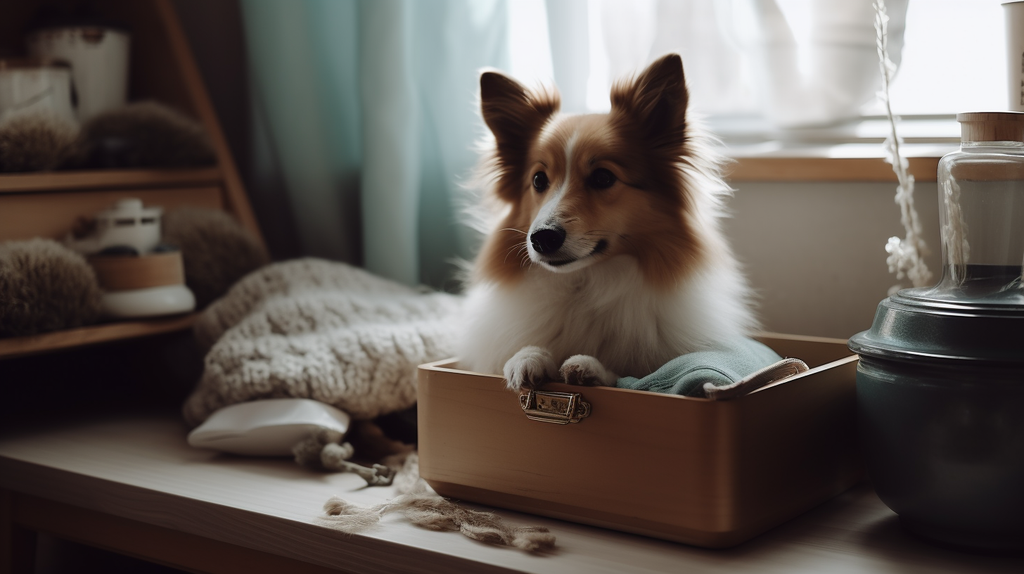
x,y
906,256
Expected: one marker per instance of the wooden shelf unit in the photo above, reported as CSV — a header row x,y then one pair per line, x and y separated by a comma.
x,y
46,204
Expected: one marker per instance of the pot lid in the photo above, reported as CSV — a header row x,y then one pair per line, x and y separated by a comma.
x,y
926,324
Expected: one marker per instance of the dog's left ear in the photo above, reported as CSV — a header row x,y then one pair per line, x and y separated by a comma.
x,y
655,101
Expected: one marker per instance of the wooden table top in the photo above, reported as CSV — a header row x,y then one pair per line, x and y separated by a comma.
x,y
139,467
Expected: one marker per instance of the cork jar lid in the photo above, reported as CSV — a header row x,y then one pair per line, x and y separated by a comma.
x,y
991,126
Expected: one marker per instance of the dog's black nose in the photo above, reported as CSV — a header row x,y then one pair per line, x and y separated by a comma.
x,y
547,241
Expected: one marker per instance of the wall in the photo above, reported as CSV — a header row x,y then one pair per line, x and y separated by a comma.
x,y
815,252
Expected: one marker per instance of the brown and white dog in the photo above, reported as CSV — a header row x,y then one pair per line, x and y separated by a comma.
x,y
607,259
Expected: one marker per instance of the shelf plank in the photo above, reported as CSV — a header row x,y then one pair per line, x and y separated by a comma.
x,y
27,215
108,179
46,342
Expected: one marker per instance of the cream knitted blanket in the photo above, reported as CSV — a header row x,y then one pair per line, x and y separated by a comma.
x,y
320,330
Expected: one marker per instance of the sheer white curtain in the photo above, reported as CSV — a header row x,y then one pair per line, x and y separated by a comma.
x,y
797,62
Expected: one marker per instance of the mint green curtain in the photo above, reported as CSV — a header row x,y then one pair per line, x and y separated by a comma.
x,y
369,107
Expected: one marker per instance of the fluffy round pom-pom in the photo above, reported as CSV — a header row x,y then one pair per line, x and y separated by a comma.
x,y
45,286
216,249
34,142
141,134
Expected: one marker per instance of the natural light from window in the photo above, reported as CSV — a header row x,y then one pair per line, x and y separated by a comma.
x,y
953,57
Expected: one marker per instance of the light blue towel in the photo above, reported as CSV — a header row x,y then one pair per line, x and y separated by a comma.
x,y
721,366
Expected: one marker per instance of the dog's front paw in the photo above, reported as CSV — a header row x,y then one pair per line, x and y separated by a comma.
x,y
530,367
586,370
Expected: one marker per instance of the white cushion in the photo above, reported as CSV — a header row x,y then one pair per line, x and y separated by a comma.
x,y
269,427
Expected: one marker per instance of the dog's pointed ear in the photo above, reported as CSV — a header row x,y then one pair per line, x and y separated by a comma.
x,y
656,101
511,111
515,116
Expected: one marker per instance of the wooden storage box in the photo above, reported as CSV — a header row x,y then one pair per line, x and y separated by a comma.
x,y
685,469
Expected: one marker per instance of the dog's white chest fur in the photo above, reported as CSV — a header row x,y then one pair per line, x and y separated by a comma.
x,y
606,311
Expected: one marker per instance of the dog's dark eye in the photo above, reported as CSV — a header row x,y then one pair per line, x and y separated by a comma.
x,y
540,181
601,178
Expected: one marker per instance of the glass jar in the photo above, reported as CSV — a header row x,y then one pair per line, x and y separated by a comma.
x,y
981,212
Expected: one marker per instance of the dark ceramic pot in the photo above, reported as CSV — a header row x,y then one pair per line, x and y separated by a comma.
x,y
940,399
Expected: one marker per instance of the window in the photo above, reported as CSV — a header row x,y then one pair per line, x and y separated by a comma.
x,y
953,55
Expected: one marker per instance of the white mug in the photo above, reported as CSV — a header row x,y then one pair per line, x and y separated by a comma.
x,y
28,87
1013,13
98,57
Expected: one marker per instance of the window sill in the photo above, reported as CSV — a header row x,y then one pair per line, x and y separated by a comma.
x,y
850,152
838,163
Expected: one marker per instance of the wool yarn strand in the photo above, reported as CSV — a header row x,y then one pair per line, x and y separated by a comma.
x,y
424,508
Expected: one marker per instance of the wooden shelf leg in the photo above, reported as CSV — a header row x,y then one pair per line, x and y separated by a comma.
x,y
17,544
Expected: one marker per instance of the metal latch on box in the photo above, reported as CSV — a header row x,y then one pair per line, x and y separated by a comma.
x,y
554,407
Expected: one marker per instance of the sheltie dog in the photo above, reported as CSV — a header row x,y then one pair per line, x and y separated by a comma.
x,y
606,258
